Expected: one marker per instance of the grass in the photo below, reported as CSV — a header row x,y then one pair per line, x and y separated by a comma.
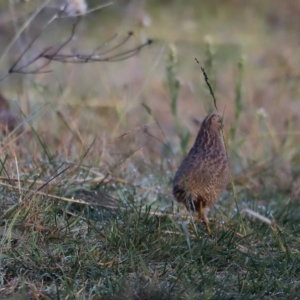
x,y
86,210
80,252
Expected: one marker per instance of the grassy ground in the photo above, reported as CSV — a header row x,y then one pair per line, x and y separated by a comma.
x,y
86,209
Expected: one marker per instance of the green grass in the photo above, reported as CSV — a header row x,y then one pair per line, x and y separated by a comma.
x,y
86,210
76,251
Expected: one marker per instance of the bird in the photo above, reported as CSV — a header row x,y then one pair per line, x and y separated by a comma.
x,y
204,173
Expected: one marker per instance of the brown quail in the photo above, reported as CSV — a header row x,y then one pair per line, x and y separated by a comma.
x,y
204,173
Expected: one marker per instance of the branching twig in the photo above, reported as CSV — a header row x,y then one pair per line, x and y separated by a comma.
x,y
53,53
96,57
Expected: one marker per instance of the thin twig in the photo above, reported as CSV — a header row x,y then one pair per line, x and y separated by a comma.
x,y
52,53
208,84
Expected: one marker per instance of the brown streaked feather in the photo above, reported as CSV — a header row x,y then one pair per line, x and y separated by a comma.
x,y
204,172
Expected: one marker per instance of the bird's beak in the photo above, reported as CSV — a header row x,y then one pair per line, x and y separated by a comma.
x,y
221,123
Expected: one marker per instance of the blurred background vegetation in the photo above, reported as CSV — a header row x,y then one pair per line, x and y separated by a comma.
x,y
249,50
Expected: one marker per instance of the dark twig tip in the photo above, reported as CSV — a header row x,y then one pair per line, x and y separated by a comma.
x,y
130,33
209,86
149,42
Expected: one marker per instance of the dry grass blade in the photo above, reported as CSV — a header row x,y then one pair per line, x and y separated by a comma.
x,y
21,30
257,216
55,197
84,12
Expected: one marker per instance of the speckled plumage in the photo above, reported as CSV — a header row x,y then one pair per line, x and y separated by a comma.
x,y
204,172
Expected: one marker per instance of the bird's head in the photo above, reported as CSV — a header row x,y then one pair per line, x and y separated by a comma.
x,y
212,123
209,133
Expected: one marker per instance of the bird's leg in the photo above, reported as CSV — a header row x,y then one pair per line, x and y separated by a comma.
x,y
202,216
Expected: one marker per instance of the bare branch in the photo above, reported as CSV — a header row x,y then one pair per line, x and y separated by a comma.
x,y
52,53
97,57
